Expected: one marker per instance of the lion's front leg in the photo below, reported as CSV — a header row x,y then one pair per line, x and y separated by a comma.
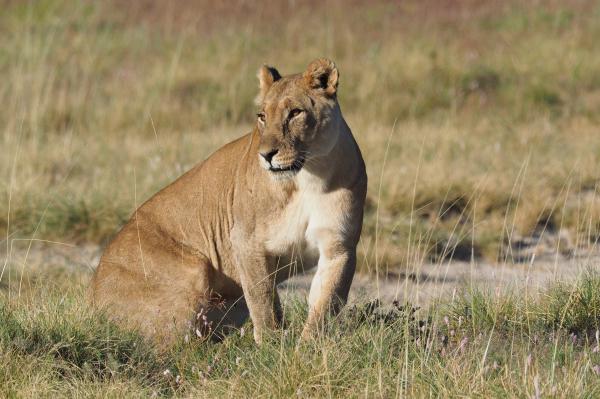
x,y
260,292
329,288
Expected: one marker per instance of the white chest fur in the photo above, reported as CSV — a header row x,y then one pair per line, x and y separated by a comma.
x,y
311,216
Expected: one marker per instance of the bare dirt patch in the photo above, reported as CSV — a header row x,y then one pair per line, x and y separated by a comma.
x,y
419,285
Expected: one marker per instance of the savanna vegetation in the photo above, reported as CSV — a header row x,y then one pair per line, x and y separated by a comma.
x,y
476,344
479,125
478,122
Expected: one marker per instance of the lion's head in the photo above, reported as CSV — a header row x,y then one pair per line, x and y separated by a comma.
x,y
298,117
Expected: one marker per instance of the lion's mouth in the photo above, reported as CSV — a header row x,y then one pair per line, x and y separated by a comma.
x,y
294,167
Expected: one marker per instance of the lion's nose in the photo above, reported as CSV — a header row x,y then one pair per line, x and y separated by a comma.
x,y
268,155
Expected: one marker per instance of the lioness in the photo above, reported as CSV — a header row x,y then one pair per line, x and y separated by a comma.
x,y
214,244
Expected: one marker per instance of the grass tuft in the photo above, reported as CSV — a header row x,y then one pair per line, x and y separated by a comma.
x,y
479,343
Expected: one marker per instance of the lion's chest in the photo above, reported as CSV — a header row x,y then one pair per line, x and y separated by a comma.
x,y
296,237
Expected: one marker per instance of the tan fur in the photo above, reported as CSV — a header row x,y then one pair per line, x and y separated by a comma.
x,y
210,248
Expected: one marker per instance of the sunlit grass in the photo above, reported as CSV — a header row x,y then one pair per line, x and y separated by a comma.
x,y
476,343
103,108
488,114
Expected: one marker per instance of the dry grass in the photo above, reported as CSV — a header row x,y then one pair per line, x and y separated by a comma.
x,y
477,120
487,113
475,343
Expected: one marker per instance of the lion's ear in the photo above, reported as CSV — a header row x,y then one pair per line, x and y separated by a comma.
x,y
267,75
322,74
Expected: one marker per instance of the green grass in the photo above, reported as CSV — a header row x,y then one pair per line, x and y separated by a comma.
x,y
479,344
478,125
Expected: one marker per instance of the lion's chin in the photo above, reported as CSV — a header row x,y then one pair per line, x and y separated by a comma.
x,y
283,176
287,172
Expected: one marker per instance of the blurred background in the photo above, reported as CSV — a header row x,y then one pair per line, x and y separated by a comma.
x,y
478,120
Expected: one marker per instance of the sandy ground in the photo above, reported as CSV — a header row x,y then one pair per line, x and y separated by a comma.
x,y
430,281
420,285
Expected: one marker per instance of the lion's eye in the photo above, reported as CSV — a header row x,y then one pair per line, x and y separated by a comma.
x,y
295,112
261,117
